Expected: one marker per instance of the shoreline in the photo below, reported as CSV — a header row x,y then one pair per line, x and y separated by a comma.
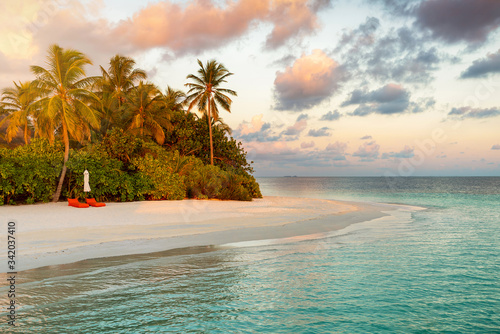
x,y
54,233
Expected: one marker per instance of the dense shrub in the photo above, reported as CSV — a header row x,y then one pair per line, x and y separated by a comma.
x,y
233,189
205,181
251,185
122,167
121,145
29,173
108,181
162,183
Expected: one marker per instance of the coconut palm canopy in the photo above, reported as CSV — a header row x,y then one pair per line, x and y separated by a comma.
x,y
206,94
17,105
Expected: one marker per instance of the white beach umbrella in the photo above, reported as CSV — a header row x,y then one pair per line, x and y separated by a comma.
x,y
86,185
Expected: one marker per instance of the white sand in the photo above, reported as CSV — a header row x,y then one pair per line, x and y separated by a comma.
x,y
50,234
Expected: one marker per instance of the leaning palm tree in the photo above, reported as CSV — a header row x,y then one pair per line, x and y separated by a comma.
x,y
206,95
17,103
146,112
65,107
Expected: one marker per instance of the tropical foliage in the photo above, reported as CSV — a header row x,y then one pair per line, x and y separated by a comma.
x,y
206,94
138,142
18,107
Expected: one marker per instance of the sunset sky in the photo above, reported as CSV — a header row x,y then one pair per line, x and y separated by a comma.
x,y
325,88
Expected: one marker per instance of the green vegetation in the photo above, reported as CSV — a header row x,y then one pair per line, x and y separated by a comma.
x,y
137,142
206,94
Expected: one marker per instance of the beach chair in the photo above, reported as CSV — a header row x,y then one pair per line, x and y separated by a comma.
x,y
74,203
92,202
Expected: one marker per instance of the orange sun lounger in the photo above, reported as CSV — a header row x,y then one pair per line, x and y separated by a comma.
x,y
74,202
92,202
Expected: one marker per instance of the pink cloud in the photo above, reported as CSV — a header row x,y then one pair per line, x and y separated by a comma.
x,y
368,151
292,18
336,150
337,147
190,27
310,80
295,130
271,151
202,24
254,126
307,145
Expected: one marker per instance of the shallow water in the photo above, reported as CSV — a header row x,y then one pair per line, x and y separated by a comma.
x,y
437,270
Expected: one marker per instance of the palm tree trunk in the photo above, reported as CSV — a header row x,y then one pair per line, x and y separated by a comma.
x,y
57,194
210,134
26,140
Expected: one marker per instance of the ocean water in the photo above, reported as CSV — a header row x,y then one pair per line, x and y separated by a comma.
x,y
437,271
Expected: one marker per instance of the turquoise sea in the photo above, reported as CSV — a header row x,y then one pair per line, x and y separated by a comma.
x,y
438,272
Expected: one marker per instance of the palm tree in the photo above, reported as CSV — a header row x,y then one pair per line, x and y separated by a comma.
x,y
222,126
114,85
17,103
205,93
146,111
65,107
174,99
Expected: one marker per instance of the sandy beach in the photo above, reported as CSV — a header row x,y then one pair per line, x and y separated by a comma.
x,y
53,233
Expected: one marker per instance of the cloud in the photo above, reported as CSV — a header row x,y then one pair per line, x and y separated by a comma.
x,y
405,153
309,81
323,132
284,61
30,26
204,24
180,28
483,67
13,69
422,104
336,150
256,125
276,151
389,99
369,151
401,54
256,130
299,126
279,154
259,131
366,137
399,7
302,116
459,20
307,145
291,19
330,116
468,112
451,21
495,147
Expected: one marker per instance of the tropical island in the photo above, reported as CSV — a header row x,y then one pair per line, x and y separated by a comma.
x,y
137,141
143,146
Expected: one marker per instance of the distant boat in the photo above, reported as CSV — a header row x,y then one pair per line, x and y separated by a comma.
x,y
290,176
